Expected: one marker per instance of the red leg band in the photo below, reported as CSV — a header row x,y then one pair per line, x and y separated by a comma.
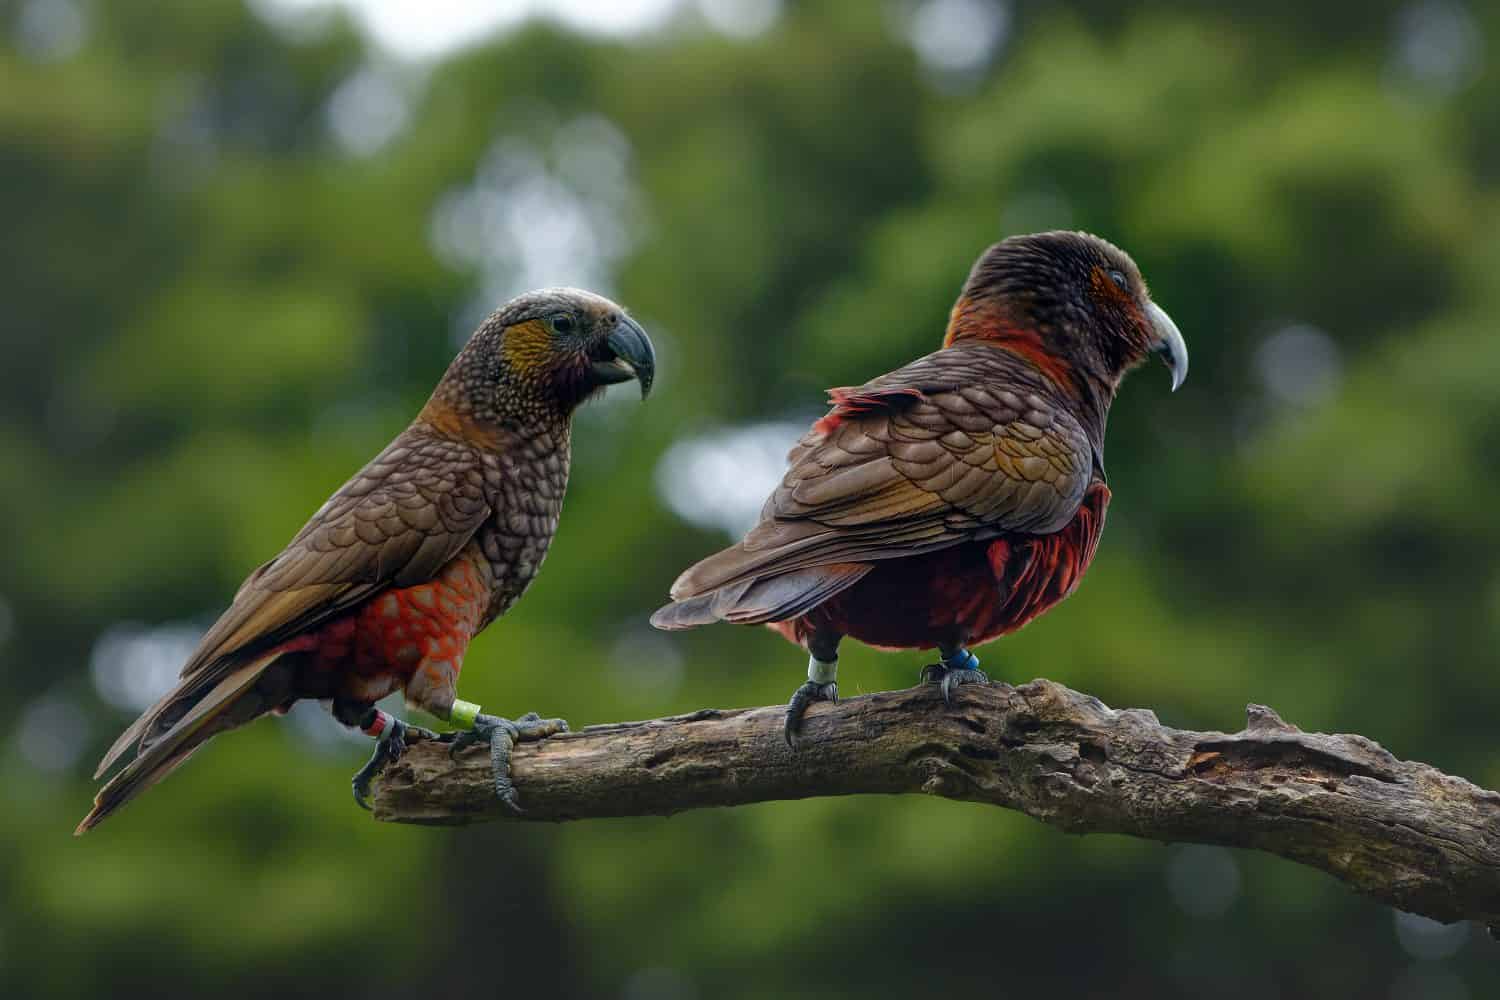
x,y
375,728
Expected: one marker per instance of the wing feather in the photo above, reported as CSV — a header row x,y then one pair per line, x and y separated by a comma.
x,y
963,444
397,522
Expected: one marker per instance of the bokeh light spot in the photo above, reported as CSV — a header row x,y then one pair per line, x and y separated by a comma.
x,y
741,19
367,111
1438,47
52,733
721,479
51,30
1423,937
1203,880
134,664
957,36
555,207
1299,364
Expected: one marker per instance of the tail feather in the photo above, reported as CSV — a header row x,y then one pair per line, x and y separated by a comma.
x,y
734,565
200,713
157,720
768,599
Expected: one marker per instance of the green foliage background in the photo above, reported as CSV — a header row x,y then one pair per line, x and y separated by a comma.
x,y
214,312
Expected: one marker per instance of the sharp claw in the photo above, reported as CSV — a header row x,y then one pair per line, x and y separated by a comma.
x,y
502,735
459,742
948,678
953,671
359,798
794,710
531,727
797,707
505,791
391,747
386,750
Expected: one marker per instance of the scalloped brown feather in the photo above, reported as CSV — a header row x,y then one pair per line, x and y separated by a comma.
x,y
957,446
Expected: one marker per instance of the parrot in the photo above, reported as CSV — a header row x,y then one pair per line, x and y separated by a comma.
x,y
955,499
436,537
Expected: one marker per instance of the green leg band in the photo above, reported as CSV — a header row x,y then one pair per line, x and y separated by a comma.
x,y
463,713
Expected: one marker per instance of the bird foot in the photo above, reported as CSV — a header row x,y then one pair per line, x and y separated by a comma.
x,y
804,696
390,744
502,735
957,668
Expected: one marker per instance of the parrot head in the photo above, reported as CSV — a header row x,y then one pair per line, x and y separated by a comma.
x,y
569,344
539,356
1073,303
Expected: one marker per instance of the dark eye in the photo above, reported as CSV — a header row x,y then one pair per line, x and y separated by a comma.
x,y
563,323
1118,277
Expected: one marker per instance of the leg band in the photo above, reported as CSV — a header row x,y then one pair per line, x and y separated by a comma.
x,y
822,671
961,659
463,713
378,728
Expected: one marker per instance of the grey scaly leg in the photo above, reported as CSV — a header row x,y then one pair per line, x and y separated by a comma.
x,y
390,734
822,685
502,735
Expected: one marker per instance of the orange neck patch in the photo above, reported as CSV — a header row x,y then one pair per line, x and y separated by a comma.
x,y
447,420
987,320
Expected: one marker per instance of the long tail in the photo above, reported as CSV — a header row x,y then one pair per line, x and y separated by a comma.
x,y
176,726
756,601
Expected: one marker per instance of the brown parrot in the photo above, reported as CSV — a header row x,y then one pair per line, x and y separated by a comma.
x,y
430,542
955,499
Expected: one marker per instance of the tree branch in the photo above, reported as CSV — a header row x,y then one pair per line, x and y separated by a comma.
x,y
1402,832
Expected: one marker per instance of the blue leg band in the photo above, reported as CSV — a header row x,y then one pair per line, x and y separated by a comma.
x,y
961,659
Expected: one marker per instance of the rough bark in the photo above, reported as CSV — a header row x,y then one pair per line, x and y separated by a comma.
x,y
1399,831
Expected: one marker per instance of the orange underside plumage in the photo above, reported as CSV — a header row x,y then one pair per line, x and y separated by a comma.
x,y
409,638
969,593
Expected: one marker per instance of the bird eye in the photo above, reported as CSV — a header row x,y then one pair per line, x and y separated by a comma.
x,y
562,323
1118,277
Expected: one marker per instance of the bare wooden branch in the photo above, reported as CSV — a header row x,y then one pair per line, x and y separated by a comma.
x,y
1402,832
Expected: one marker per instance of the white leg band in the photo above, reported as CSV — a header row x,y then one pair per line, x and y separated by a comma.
x,y
821,672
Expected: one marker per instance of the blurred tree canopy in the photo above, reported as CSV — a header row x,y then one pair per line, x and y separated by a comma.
x,y
240,250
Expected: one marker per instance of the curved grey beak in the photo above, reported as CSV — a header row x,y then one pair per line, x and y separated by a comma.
x,y
1168,343
633,357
